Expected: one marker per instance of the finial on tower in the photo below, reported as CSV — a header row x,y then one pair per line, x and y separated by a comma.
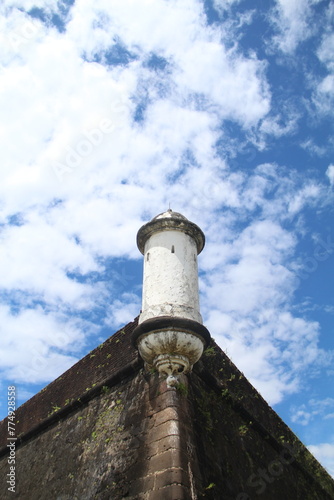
x,y
170,336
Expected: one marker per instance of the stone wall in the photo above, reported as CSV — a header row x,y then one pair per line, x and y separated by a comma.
x,y
127,442
107,363
212,437
240,459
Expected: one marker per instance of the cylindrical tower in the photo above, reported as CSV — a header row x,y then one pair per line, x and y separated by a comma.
x,y
170,336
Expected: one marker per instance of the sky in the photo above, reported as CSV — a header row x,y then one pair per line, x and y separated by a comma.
x,y
110,112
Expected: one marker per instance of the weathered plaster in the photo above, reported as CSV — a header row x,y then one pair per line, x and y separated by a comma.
x,y
170,286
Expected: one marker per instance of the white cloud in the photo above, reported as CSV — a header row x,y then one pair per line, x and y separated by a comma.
x,y
222,5
43,344
324,452
123,310
330,174
291,18
314,148
243,301
272,350
323,96
301,415
326,51
315,408
29,4
23,395
53,115
281,125
36,258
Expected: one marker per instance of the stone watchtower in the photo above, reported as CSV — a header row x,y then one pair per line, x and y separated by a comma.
x,y
158,411
170,336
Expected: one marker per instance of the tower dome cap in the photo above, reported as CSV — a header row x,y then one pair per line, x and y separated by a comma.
x,y
170,221
170,214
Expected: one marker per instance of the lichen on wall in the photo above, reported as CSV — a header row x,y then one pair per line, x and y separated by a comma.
x,y
87,454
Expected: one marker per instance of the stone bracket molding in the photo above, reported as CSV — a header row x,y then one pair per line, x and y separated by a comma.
x,y
171,345
171,323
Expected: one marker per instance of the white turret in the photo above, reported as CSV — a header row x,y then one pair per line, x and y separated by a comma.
x,y
170,244
170,336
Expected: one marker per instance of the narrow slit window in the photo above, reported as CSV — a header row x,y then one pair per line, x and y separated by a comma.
x,y
148,256
173,249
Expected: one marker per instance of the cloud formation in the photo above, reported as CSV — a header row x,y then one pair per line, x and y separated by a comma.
x,y
292,20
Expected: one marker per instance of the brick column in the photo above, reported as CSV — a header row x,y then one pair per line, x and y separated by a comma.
x,y
171,470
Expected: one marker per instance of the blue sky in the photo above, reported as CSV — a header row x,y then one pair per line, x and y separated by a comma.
x,y
111,111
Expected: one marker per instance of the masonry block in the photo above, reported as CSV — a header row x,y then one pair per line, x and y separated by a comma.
x,y
164,444
173,492
169,428
169,413
166,460
142,485
171,476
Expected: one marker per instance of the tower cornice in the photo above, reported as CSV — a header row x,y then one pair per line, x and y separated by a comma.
x,y
170,221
